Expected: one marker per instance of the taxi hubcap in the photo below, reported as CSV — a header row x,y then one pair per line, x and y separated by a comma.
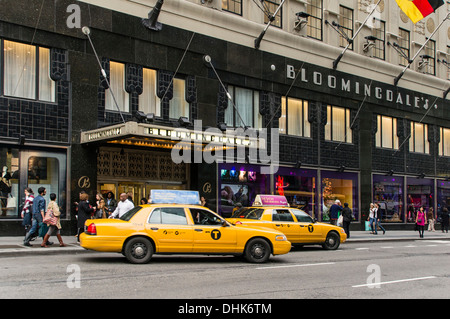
x,y
139,250
258,251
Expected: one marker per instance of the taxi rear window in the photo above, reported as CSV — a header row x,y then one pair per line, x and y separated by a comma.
x,y
249,213
129,214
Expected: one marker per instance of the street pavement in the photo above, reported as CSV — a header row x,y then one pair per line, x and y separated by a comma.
x,y
12,246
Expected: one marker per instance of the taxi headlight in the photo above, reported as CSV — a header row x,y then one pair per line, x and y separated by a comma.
x,y
280,238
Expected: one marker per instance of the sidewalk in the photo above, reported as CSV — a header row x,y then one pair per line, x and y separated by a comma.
x,y
13,246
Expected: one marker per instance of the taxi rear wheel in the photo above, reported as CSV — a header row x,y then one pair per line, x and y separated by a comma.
x,y
138,250
257,251
332,241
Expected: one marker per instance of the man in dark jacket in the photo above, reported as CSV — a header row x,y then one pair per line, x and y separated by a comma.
x,y
39,208
347,215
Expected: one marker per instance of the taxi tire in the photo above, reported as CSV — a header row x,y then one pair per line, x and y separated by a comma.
x,y
257,250
138,250
332,241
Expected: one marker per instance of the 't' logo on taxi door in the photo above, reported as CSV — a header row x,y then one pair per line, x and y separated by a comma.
x,y
215,234
310,228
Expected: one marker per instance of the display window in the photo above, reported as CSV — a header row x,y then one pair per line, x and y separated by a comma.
x,y
342,187
420,192
388,194
299,187
238,186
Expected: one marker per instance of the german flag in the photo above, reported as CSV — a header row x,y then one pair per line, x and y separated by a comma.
x,y
416,10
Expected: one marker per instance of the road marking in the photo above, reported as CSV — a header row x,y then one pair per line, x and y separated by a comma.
x,y
290,266
388,247
362,248
394,281
410,246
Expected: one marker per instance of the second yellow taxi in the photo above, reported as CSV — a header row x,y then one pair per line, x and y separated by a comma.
x,y
273,211
185,227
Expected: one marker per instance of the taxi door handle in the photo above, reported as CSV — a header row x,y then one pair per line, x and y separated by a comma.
x,y
278,225
199,230
154,228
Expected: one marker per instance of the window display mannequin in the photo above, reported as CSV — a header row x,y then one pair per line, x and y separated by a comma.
x,y
5,188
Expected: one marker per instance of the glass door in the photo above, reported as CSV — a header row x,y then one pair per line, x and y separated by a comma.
x,y
44,169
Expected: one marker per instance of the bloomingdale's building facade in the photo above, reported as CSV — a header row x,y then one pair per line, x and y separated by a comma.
x,y
342,136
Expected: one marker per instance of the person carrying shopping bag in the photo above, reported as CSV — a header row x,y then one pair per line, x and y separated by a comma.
x,y
53,219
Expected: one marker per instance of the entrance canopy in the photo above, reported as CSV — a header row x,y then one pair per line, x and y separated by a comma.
x,y
144,134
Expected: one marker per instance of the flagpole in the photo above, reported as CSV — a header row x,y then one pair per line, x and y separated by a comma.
x,y
271,18
336,62
412,60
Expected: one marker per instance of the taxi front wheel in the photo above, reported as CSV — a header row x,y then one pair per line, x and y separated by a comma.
x,y
257,251
332,241
138,250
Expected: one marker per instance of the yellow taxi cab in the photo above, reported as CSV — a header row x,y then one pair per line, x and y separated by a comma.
x,y
273,211
175,223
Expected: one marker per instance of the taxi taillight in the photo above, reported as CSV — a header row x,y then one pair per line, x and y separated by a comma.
x,y
91,230
238,223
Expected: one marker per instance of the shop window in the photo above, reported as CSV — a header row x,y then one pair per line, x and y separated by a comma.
x,y
420,192
245,111
27,72
338,125
149,102
117,86
386,136
9,183
444,143
443,195
178,104
299,188
388,194
294,117
342,187
239,184
418,141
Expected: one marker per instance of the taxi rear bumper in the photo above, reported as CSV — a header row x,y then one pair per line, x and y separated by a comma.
x,y
101,243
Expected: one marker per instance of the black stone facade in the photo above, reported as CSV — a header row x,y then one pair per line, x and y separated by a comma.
x,y
120,37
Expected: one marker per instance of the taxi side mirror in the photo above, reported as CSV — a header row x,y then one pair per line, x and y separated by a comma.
x,y
225,223
314,220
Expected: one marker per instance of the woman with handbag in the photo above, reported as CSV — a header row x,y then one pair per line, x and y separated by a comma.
x,y
52,219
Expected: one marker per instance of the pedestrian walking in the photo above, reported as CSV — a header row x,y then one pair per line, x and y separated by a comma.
x,y
347,215
85,211
122,207
431,219
445,219
372,219
53,208
37,216
421,220
379,217
27,212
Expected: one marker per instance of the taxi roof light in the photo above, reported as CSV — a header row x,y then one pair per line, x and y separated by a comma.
x,y
170,196
270,200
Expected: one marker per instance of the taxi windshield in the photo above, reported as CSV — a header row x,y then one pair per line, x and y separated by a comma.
x,y
129,214
249,213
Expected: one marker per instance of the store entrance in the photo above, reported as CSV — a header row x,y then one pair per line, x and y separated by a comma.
x,y
138,190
